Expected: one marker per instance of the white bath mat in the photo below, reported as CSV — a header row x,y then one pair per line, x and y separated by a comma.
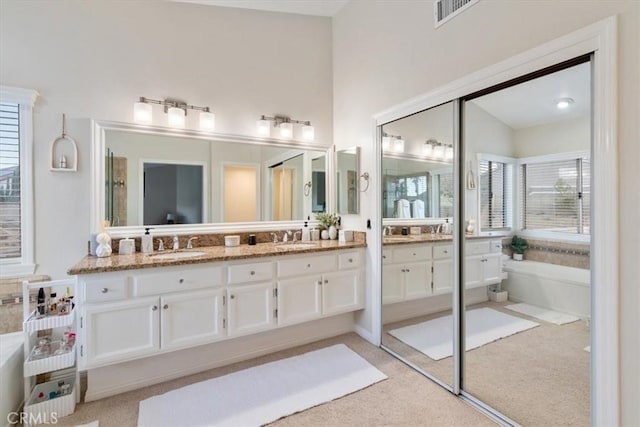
x,y
543,313
483,325
91,424
262,394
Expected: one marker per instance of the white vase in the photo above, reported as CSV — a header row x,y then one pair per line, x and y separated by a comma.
x,y
333,232
324,234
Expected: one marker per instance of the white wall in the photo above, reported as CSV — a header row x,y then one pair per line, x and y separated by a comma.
x,y
376,69
94,59
561,137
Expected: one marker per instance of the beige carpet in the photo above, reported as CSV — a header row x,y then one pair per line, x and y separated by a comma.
x,y
539,377
406,398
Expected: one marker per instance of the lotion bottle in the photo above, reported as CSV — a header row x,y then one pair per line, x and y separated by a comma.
x,y
146,245
306,234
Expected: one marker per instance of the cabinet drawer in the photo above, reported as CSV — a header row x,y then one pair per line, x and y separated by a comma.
x,y
387,255
173,281
496,245
477,248
411,254
349,260
104,290
442,251
304,266
254,272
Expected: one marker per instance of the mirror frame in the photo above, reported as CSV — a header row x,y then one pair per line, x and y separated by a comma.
x,y
412,221
99,129
351,150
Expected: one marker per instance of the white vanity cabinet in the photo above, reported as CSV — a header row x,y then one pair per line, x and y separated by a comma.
x,y
483,267
250,308
442,268
319,285
408,275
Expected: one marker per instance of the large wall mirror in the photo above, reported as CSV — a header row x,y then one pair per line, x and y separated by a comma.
x,y
159,177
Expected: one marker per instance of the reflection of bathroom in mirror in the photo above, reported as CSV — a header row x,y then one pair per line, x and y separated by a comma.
x,y
240,181
172,193
347,173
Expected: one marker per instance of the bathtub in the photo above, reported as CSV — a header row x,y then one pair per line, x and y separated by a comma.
x,y
11,379
556,287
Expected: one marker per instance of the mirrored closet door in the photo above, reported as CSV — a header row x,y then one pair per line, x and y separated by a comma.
x,y
417,252
527,196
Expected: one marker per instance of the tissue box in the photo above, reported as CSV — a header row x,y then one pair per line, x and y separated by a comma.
x,y
231,241
415,230
345,236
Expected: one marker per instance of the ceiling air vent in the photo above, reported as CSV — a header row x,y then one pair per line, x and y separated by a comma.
x,y
444,10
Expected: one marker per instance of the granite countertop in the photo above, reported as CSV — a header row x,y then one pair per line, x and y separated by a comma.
x,y
92,264
399,239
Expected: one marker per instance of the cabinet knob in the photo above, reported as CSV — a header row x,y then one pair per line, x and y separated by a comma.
x,y
414,254
350,259
407,270
326,281
319,282
181,280
308,265
165,306
253,273
232,296
104,290
446,251
154,308
384,257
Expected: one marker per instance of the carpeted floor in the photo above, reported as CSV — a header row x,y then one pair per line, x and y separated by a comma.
x,y
538,377
406,398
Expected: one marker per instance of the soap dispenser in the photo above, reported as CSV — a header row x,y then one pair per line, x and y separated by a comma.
x,y
306,234
146,246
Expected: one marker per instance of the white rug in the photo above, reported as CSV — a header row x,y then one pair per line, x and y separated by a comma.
x,y
543,313
262,394
484,325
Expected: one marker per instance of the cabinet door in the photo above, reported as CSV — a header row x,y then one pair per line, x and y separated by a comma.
x,y
341,292
473,271
417,280
392,284
299,299
249,308
121,331
191,318
442,276
492,269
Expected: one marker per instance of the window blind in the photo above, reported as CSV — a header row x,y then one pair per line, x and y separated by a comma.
x,y
445,185
10,227
496,188
553,196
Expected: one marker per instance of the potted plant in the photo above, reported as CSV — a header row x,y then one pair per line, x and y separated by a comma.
x,y
327,224
518,245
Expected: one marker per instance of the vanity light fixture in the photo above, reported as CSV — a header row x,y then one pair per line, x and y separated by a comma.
x,y
437,150
393,143
176,113
564,103
285,124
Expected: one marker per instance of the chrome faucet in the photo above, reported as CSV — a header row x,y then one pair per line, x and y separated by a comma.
x,y
160,245
295,236
176,243
387,231
285,236
274,237
190,242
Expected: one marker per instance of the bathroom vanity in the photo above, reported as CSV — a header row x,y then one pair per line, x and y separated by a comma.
x,y
139,306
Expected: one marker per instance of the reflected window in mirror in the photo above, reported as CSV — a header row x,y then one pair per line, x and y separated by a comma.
x,y
347,176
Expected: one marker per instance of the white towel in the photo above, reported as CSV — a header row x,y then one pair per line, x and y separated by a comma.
x,y
403,208
418,209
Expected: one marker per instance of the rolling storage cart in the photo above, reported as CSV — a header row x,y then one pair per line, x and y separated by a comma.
x,y
49,348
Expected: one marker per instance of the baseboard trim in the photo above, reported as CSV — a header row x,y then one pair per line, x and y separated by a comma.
x,y
112,380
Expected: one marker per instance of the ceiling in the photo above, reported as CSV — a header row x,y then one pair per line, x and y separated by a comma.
x,y
534,102
301,7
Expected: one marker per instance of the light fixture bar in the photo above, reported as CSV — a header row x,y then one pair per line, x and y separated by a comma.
x,y
176,112
285,124
169,103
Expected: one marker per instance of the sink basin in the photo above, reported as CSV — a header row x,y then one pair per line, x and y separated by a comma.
x,y
177,255
297,245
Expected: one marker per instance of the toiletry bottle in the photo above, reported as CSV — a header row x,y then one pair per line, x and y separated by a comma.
x,y
53,303
146,245
306,234
40,303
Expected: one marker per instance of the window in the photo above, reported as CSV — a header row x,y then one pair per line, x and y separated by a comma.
x,y
16,201
555,195
445,191
496,193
